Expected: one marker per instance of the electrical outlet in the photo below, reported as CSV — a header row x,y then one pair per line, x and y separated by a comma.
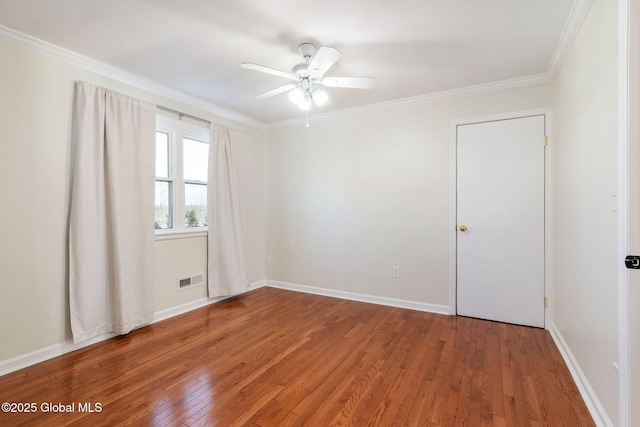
x,y
267,259
396,272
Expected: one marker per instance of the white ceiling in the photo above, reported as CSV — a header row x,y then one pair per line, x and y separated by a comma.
x,y
411,47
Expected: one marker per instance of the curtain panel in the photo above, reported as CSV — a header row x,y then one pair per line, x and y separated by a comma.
x,y
227,265
111,224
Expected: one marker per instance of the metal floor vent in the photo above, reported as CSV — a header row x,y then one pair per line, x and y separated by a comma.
x,y
190,281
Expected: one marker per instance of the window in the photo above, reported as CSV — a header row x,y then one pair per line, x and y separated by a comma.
x,y
182,158
164,183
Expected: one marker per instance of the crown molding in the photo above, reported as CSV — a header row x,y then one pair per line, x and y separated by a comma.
x,y
571,26
421,99
43,47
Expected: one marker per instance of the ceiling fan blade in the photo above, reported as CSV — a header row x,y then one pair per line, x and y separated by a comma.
x,y
268,70
350,82
324,59
276,91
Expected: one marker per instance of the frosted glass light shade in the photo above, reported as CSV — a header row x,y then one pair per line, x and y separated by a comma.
x,y
305,103
297,95
319,96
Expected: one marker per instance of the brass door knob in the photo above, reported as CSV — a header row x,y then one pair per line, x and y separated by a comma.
x,y
463,228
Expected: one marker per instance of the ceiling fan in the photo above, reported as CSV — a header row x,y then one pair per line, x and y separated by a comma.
x,y
309,77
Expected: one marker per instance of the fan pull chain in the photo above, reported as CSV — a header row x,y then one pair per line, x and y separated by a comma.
x,y
307,118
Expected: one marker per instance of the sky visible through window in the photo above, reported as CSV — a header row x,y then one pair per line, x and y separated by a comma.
x,y
195,160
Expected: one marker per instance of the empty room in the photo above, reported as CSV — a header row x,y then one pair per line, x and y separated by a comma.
x,y
343,213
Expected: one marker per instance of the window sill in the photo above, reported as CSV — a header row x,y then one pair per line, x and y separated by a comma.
x,y
180,234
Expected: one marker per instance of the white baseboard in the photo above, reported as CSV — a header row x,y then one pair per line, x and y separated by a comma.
x,y
393,302
55,350
184,308
46,353
598,413
258,284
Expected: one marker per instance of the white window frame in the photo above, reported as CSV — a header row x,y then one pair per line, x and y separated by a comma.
x,y
177,129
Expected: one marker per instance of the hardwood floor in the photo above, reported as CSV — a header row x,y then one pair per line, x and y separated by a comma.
x,y
279,358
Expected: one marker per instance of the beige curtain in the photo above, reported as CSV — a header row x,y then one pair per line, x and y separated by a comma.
x,y
111,229
227,267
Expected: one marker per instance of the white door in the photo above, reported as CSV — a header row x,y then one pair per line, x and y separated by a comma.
x,y
500,216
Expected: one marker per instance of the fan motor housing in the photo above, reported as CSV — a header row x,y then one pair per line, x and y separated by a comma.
x,y
301,71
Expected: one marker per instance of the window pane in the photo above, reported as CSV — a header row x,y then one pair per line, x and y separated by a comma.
x,y
195,159
164,209
162,155
195,205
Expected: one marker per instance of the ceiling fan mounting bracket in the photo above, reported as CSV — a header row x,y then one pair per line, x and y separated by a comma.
x,y
307,50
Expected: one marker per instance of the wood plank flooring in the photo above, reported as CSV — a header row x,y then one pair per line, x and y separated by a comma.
x,y
280,358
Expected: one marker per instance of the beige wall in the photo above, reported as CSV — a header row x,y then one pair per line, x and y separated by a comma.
x,y
36,93
351,197
585,173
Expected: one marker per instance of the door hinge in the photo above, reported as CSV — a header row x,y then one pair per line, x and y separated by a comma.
x,y
545,302
545,140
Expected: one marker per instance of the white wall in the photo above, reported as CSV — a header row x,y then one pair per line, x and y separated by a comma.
x,y
36,93
634,211
585,168
351,197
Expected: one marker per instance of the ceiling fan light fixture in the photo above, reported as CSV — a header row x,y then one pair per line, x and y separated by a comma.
x,y
305,103
319,95
297,95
